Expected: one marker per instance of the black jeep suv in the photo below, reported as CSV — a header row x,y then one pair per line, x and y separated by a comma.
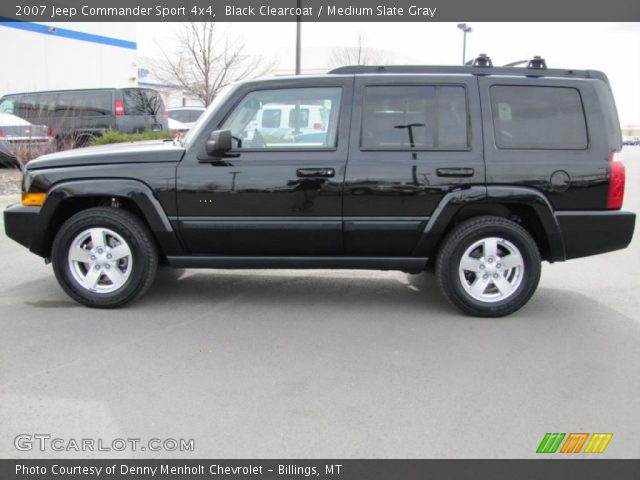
x,y
480,172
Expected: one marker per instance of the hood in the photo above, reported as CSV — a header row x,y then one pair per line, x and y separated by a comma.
x,y
153,151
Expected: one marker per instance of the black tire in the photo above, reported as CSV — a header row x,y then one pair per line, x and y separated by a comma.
x,y
463,237
139,240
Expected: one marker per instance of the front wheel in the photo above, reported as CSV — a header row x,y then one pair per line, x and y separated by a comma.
x,y
104,257
488,266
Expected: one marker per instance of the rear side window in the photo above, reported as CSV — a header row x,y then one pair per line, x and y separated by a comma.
x,y
76,104
61,104
415,118
531,117
140,101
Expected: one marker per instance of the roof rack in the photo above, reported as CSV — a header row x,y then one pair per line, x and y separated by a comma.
x,y
481,65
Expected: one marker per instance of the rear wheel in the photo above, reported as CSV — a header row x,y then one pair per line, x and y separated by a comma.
x,y
104,257
488,266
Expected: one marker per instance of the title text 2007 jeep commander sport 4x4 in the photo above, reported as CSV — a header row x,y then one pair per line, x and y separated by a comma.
x,y
479,171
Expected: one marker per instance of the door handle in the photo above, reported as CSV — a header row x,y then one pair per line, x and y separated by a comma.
x,y
455,172
315,172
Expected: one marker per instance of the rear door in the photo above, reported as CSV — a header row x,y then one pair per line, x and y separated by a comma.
x,y
413,139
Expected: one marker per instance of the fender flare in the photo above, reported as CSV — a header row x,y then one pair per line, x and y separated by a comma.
x,y
136,191
506,195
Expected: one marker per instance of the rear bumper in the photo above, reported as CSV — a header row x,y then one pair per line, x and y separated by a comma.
x,y
20,223
592,232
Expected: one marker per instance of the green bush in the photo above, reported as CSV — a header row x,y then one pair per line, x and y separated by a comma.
x,y
113,136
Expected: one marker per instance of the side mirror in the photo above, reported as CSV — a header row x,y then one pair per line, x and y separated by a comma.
x,y
219,143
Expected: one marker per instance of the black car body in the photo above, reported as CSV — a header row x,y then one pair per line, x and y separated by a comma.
x,y
412,165
82,114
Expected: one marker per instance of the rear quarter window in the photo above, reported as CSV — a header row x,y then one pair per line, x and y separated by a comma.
x,y
140,101
538,118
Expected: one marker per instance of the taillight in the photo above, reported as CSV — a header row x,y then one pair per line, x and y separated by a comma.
x,y
118,107
1,134
317,126
50,132
616,182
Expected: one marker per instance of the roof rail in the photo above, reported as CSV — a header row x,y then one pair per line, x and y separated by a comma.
x,y
481,65
460,69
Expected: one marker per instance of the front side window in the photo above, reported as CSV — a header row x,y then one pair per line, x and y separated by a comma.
x,y
537,117
415,118
256,122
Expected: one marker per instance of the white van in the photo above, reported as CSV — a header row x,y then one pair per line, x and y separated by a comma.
x,y
287,121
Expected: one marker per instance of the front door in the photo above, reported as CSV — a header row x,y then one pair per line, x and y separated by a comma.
x,y
279,192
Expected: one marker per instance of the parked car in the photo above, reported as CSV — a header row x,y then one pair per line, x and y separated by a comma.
x,y
186,115
15,134
479,172
630,140
75,116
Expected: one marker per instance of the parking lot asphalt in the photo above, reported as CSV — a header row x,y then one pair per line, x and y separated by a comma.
x,y
323,364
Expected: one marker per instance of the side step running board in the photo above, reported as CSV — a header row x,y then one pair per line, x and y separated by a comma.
x,y
405,264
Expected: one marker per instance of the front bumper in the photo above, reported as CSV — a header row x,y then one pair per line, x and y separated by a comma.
x,y
593,232
20,223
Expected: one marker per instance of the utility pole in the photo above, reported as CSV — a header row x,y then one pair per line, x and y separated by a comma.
x,y
465,29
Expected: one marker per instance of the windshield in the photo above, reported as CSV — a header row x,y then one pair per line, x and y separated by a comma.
x,y
199,125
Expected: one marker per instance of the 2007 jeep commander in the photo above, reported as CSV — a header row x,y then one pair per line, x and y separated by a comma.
x,y
479,171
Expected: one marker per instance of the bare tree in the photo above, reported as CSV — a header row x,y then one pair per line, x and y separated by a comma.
x,y
358,55
206,61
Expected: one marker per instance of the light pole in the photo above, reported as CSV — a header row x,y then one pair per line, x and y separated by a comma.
x,y
298,25
465,29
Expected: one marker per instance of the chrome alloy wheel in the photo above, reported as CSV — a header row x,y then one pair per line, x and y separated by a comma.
x,y
491,269
100,260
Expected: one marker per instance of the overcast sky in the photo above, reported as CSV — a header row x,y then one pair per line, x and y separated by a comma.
x,y
611,47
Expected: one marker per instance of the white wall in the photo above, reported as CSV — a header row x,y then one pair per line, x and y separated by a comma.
x,y
34,61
